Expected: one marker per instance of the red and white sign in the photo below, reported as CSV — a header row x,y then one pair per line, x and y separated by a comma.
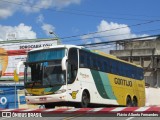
x,y
12,53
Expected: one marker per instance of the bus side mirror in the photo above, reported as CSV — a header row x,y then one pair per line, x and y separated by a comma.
x,y
18,67
64,66
17,71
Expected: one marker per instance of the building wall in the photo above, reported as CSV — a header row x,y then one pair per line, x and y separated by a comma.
x,y
143,44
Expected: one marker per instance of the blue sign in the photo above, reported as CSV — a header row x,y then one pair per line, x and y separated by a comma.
x,y
8,97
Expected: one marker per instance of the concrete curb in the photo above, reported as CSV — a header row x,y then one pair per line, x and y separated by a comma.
x,y
88,110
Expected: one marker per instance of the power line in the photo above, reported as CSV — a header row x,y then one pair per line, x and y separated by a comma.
x,y
113,35
122,40
74,13
134,25
93,11
39,40
114,41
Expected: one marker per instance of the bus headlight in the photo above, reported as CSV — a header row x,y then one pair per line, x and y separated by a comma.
x,y
27,94
60,91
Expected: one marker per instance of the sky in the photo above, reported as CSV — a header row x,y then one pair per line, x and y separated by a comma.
x,y
73,20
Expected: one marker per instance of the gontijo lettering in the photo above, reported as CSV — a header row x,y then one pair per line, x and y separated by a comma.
x,y
124,82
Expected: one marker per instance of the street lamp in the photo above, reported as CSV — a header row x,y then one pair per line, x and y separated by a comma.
x,y
53,33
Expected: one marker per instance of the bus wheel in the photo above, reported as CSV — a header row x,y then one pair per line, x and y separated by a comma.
x,y
85,99
135,102
128,102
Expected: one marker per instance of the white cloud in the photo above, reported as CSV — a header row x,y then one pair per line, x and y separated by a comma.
x,y
110,31
8,8
40,19
97,40
22,31
86,38
64,3
111,34
47,28
117,34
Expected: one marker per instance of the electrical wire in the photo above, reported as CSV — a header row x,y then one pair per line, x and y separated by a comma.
x,y
67,37
74,13
121,40
113,35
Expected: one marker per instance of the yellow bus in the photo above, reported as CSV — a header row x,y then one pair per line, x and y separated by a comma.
x,y
75,76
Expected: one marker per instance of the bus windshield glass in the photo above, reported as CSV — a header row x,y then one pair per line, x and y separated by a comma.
x,y
43,74
46,55
43,68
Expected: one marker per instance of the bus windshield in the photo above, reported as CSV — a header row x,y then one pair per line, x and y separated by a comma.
x,y
44,74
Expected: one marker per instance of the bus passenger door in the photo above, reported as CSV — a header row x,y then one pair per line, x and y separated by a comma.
x,y
73,84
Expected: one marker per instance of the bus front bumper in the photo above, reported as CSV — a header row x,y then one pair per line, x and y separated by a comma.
x,y
46,98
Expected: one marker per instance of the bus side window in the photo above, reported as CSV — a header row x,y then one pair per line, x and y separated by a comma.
x,y
69,73
115,70
124,69
94,63
88,60
98,65
118,68
105,66
127,70
111,66
84,62
81,61
102,64
72,65
142,74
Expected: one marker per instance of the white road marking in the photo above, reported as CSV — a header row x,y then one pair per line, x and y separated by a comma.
x,y
7,110
27,110
118,109
141,109
71,110
95,110
129,118
50,110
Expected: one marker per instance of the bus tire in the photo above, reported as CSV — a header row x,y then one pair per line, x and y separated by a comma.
x,y
128,101
85,99
135,102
